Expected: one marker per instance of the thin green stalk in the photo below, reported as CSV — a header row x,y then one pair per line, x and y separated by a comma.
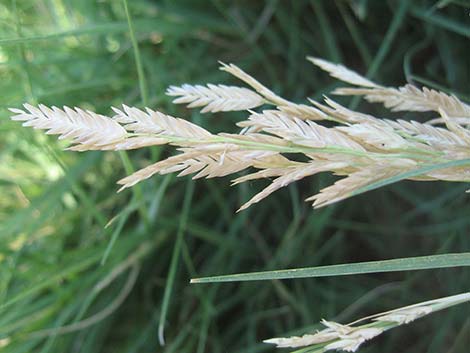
x,y
138,60
28,87
354,32
175,258
137,192
389,37
386,45
327,31
442,21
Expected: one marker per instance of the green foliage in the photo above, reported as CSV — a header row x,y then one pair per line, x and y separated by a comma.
x,y
71,247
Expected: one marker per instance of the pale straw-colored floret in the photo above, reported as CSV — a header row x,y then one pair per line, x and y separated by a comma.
x,y
342,73
345,187
405,316
294,173
151,122
353,340
81,127
215,98
301,132
410,98
269,95
338,337
405,98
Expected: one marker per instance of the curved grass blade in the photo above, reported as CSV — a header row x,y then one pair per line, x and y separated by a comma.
x,y
394,265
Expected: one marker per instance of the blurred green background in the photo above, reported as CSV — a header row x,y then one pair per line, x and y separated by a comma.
x,y
68,284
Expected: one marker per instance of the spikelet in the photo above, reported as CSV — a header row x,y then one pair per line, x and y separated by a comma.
x,y
382,137
305,133
85,128
341,337
405,316
293,174
453,126
303,112
465,122
343,114
405,98
342,73
345,187
215,98
411,98
207,162
169,165
269,95
157,123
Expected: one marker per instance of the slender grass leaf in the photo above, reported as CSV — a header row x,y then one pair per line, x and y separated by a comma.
x,y
404,264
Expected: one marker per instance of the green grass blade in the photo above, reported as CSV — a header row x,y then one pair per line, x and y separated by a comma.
x,y
54,278
386,45
175,257
138,60
327,31
355,33
389,37
442,21
404,264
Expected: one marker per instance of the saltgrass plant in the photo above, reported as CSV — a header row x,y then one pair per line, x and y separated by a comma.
x,y
370,152
83,269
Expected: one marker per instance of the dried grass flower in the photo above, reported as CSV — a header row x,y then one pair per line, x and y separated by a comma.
x,y
286,142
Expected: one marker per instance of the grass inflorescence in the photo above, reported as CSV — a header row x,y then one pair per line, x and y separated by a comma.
x,y
86,269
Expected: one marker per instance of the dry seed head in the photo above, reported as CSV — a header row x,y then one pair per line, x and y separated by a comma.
x,y
303,341
284,143
342,73
351,342
215,98
305,133
345,187
410,98
269,95
381,137
153,122
292,174
405,316
343,337
81,127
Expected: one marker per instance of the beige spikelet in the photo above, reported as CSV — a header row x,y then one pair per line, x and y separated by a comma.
x,y
215,98
81,127
411,98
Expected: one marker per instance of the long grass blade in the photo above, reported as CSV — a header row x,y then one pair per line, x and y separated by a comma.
x,y
395,265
